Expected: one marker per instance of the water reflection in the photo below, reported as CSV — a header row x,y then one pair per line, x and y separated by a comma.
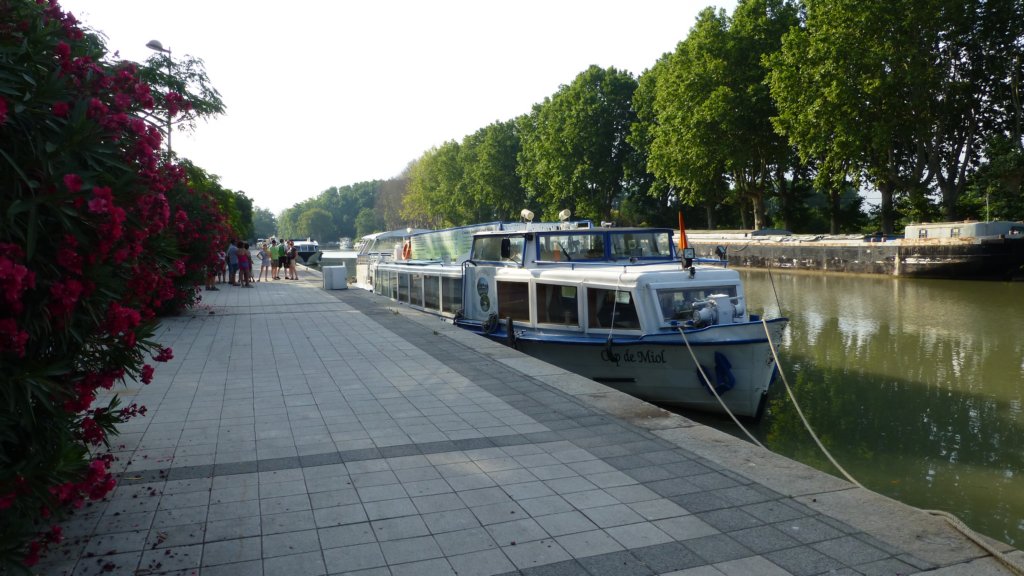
x,y
914,385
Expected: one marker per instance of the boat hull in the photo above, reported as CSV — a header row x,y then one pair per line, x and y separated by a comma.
x,y
661,370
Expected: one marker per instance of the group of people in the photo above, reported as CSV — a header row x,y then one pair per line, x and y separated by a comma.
x,y
237,263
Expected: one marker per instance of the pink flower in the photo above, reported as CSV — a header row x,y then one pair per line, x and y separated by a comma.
x,y
73,182
3,110
11,338
164,355
61,109
147,374
63,51
102,200
64,295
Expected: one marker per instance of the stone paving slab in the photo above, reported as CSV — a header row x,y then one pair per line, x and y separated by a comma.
x,y
299,431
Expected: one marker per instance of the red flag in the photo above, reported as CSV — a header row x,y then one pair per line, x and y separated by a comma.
x,y
683,244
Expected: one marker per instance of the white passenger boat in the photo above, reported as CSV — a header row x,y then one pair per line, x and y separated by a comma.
x,y
617,305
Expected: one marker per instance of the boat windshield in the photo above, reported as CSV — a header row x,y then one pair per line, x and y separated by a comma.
x,y
677,303
641,244
571,247
488,248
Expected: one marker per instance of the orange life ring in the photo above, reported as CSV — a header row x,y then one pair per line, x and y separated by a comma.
x,y
407,251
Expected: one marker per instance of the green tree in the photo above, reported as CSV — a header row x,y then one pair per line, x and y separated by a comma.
x,y
182,87
714,110
492,189
574,151
263,222
388,204
976,49
435,184
368,222
316,223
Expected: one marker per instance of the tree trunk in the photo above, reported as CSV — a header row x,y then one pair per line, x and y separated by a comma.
x,y
833,211
757,203
711,216
885,188
950,195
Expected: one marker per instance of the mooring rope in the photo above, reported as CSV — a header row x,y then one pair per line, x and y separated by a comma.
x,y
715,392
953,521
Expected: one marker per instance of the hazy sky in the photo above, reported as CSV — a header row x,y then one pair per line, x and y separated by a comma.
x,y
329,93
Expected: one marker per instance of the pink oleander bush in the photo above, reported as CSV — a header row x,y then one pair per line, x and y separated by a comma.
x,y
99,236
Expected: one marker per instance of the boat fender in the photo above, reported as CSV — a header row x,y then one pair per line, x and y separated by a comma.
x,y
724,379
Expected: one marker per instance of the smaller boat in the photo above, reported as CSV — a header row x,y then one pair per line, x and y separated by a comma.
x,y
376,248
306,249
966,250
618,305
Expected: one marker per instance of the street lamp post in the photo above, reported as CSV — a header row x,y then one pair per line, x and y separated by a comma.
x,y
159,47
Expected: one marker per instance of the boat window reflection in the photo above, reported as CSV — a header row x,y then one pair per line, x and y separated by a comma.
x,y
514,300
488,249
557,304
571,247
431,293
611,309
451,294
677,304
641,245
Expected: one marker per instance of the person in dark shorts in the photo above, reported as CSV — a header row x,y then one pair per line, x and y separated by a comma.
x,y
282,259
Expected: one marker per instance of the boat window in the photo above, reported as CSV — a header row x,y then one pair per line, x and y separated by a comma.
x,y
393,282
677,303
416,290
1016,231
403,288
487,249
954,232
514,301
432,292
641,245
557,304
922,233
451,292
611,309
571,247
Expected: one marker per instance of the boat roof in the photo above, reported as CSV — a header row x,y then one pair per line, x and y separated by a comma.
x,y
574,230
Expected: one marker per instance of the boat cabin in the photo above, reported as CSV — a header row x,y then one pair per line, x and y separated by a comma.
x,y
585,281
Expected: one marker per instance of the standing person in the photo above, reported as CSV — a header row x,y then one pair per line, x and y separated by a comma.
x,y
282,259
232,256
244,263
274,263
264,257
293,255
222,267
212,270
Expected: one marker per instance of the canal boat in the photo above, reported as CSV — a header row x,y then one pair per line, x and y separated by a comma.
x,y
621,306
960,250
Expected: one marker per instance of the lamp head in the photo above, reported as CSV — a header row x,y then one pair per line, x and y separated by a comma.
x,y
527,215
158,46
564,215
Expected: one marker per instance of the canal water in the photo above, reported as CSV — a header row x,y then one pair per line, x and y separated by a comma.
x,y
915,386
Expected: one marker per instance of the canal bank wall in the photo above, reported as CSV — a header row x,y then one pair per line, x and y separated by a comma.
x,y
995,260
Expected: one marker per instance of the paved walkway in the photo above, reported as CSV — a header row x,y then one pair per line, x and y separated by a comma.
x,y
306,432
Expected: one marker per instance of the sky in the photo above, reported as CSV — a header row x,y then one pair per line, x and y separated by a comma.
x,y
323,93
